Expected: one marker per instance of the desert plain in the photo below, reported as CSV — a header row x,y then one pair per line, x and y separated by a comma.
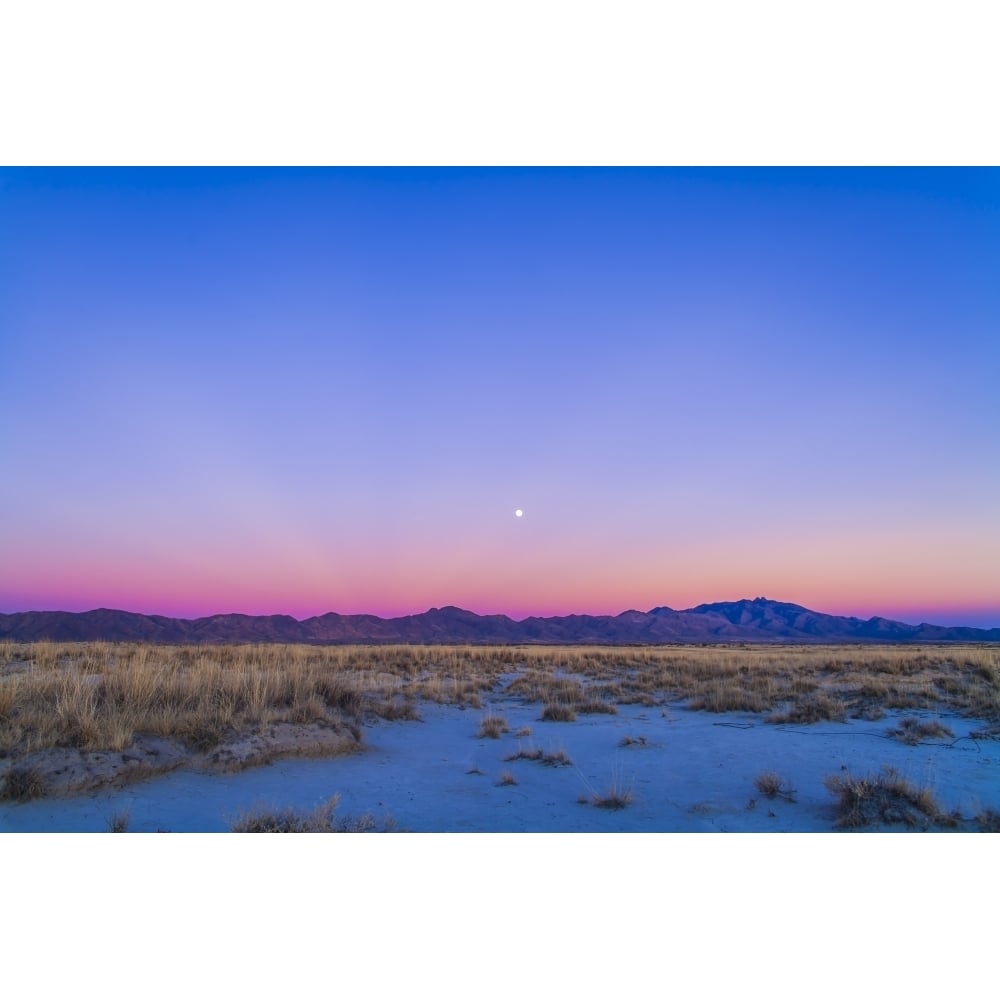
x,y
132,737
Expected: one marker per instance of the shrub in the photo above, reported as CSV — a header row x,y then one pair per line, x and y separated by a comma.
x,y
885,798
558,713
633,741
812,708
23,782
771,784
492,727
119,822
323,819
912,731
615,797
988,821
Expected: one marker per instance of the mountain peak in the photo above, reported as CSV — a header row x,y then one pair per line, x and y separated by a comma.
x,y
759,619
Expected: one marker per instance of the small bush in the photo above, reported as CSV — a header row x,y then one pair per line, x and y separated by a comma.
x,y
323,819
633,741
595,706
24,782
507,778
558,713
492,727
812,708
885,798
771,784
616,797
988,821
119,822
912,731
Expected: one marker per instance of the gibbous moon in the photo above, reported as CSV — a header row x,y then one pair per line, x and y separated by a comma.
x,y
518,512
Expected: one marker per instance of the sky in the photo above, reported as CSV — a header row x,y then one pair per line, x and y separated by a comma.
x,y
301,391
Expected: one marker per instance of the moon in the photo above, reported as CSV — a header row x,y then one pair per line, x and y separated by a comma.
x,y
518,512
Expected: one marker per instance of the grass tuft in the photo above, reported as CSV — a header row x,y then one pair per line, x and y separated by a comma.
x,y
492,727
633,741
988,821
884,799
617,795
912,731
119,822
323,819
558,713
23,783
771,784
812,708
506,778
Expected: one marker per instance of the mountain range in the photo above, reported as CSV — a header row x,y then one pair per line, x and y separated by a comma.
x,y
757,620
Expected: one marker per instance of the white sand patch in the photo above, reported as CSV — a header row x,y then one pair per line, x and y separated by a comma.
x,y
685,771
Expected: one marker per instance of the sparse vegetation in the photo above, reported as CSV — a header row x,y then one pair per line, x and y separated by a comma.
x,y
558,713
120,821
771,784
106,695
885,799
811,708
507,778
552,758
616,796
492,727
595,706
633,741
988,821
912,731
24,782
323,819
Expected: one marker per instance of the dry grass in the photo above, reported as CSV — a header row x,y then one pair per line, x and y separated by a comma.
x,y
23,783
120,821
633,741
912,731
615,796
811,708
507,778
323,819
988,821
885,799
558,713
100,696
771,784
492,727
551,758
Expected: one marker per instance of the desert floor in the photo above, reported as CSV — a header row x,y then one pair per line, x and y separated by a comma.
x,y
680,770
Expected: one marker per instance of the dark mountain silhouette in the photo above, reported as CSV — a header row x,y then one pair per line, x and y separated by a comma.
x,y
757,620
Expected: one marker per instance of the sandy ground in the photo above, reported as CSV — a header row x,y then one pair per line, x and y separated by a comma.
x,y
688,771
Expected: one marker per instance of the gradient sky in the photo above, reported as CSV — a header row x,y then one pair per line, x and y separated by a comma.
x,y
300,391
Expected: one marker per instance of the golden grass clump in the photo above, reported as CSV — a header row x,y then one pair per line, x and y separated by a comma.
x,y
322,819
912,731
558,713
885,799
492,727
771,784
